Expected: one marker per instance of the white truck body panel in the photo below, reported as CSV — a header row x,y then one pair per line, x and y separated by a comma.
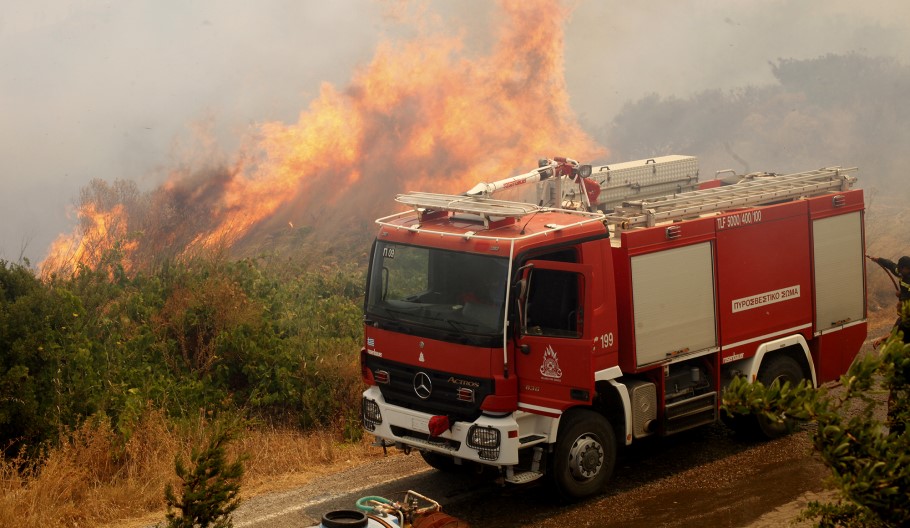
x,y
839,275
673,301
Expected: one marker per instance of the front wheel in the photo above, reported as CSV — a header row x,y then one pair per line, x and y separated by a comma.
x,y
443,463
585,454
447,464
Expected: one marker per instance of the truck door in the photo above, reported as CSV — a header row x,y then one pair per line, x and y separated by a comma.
x,y
554,358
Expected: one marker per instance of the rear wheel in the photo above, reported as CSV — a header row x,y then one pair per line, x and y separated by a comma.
x,y
778,367
782,369
585,454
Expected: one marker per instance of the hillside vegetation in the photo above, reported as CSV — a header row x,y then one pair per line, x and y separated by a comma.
x,y
276,344
105,376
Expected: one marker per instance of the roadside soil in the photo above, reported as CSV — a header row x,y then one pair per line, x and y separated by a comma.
x,y
707,478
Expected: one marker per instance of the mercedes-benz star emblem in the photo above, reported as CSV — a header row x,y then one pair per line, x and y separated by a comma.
x,y
423,387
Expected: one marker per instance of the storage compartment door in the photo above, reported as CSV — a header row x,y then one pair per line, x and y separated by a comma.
x,y
673,302
839,278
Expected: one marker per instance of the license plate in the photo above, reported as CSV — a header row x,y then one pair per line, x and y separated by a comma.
x,y
419,424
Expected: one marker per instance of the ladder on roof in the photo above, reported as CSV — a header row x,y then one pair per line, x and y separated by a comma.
x,y
466,204
492,212
426,204
751,191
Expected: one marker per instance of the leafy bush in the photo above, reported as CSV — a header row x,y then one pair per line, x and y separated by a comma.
x,y
48,369
869,460
250,337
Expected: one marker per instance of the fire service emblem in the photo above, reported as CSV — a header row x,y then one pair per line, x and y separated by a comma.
x,y
550,367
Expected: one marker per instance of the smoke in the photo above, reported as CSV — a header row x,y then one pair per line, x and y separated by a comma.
x,y
848,110
112,90
422,114
107,91
617,52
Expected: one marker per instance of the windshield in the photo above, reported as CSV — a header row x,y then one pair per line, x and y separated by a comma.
x,y
435,290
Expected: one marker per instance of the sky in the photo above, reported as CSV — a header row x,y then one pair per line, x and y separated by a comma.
x,y
117,90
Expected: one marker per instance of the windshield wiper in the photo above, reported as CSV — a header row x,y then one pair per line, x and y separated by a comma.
x,y
395,312
461,326
390,316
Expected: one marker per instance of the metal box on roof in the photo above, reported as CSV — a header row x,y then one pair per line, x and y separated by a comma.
x,y
643,178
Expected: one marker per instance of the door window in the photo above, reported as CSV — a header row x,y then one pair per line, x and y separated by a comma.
x,y
553,304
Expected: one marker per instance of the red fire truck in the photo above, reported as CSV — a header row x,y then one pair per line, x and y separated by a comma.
x,y
538,337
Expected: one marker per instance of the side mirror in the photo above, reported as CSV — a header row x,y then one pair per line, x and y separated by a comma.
x,y
385,283
522,290
520,295
521,298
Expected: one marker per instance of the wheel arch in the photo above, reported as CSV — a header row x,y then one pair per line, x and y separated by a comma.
x,y
794,346
614,403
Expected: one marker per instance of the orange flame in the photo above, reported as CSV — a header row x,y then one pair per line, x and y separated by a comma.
x,y
422,115
98,229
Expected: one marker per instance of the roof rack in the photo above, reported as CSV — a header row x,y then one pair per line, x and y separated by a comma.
x,y
430,205
754,189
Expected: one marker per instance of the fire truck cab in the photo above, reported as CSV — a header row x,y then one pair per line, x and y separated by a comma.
x,y
539,339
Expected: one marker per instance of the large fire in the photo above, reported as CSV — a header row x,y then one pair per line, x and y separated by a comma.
x,y
422,115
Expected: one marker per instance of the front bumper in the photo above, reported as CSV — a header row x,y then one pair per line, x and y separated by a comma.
x,y
411,428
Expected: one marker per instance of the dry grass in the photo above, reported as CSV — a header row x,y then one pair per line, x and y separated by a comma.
x,y
280,457
95,480
90,478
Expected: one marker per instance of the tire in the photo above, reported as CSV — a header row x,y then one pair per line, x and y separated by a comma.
x,y
443,463
446,464
752,427
744,426
782,368
585,454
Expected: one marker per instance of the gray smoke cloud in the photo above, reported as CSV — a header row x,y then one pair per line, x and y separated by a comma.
x,y
115,90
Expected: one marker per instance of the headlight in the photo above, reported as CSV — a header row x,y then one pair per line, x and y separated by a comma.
x,y
485,440
483,437
369,411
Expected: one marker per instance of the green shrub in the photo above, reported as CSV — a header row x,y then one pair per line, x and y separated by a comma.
x,y
869,460
210,487
50,373
265,339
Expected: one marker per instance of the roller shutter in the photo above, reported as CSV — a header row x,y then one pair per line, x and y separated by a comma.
x,y
673,300
839,278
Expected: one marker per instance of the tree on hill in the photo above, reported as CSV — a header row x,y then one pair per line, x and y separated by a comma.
x,y
845,110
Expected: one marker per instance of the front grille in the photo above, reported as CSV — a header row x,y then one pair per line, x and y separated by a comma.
x,y
444,398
